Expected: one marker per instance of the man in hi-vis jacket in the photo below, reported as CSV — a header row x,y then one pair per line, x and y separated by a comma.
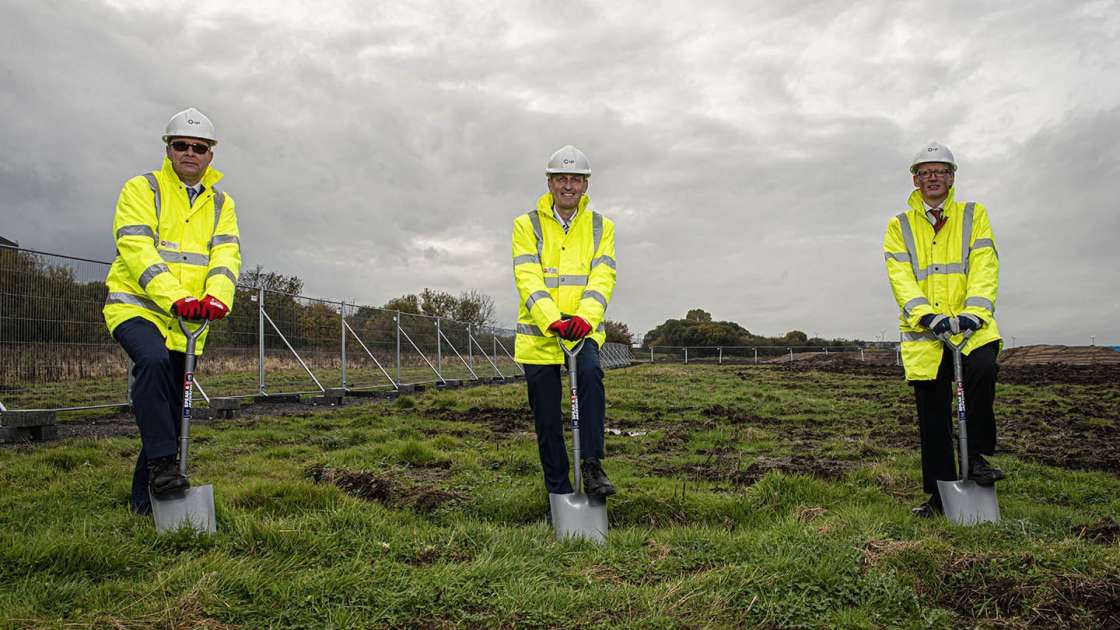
x,y
178,255
944,271
564,269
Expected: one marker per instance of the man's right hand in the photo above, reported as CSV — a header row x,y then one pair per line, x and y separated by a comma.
x,y
560,327
187,308
937,324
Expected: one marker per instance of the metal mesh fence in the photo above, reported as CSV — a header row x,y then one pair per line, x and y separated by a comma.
x,y
880,354
56,354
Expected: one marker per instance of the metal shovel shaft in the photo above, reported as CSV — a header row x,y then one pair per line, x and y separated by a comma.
x,y
958,380
188,390
571,354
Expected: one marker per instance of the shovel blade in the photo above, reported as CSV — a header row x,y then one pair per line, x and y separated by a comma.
x,y
577,515
193,508
968,503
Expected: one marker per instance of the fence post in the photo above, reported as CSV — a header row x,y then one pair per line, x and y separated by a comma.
x,y
260,341
686,355
397,319
861,354
755,355
342,318
721,356
439,349
470,347
651,355
826,349
791,355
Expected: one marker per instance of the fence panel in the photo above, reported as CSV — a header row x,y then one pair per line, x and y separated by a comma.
x,y
52,333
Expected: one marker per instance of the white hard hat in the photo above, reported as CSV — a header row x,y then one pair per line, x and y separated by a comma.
x,y
933,152
190,123
568,160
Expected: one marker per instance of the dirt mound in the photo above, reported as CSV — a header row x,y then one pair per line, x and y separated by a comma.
x,y
500,419
1105,531
1044,374
383,488
1063,355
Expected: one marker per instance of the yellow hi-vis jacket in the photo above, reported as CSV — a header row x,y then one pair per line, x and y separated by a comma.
x,y
951,272
168,249
556,273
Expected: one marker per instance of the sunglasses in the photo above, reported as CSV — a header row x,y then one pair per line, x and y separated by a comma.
x,y
199,148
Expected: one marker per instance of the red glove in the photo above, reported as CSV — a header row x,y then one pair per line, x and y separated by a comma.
x,y
560,327
578,328
212,308
187,308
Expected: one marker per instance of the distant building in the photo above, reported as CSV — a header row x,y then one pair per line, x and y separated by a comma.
x,y
4,241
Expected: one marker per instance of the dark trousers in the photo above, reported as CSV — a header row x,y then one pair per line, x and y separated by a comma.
x,y
937,414
157,396
544,398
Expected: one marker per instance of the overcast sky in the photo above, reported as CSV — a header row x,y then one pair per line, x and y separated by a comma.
x,y
750,153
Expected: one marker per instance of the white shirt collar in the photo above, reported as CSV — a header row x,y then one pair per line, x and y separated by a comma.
x,y
564,224
929,211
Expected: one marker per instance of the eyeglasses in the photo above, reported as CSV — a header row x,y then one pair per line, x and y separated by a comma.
x,y
199,148
934,172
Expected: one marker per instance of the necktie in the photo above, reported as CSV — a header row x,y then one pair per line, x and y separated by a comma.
x,y
937,215
192,193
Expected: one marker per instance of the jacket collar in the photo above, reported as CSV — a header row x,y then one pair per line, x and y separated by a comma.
x,y
544,207
949,205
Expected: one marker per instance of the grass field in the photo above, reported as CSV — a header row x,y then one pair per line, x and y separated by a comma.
x,y
749,497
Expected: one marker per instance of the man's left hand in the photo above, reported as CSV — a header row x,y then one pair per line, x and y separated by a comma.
x,y
578,328
212,308
966,321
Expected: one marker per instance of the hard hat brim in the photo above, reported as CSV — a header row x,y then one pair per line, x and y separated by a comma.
x,y
914,167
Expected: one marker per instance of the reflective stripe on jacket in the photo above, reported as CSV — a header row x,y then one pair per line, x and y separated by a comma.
x,y
951,272
572,273
169,249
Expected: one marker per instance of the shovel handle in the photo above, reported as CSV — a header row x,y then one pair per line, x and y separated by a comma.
x,y
958,381
571,354
188,390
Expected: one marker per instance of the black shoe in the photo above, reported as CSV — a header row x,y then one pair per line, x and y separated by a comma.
x,y
929,509
164,477
980,471
595,481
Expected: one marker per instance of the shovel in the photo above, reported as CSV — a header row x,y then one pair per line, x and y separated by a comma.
x,y
965,501
194,507
575,514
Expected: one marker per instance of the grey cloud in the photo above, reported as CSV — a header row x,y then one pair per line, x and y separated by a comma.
x,y
751,153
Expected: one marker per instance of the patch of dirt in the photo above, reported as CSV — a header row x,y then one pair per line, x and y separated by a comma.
x,y
672,441
384,488
1104,532
875,550
499,419
1101,374
738,416
1014,372
1068,601
1063,355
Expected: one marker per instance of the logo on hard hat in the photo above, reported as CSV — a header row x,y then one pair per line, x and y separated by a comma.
x,y
568,161
191,121
931,149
